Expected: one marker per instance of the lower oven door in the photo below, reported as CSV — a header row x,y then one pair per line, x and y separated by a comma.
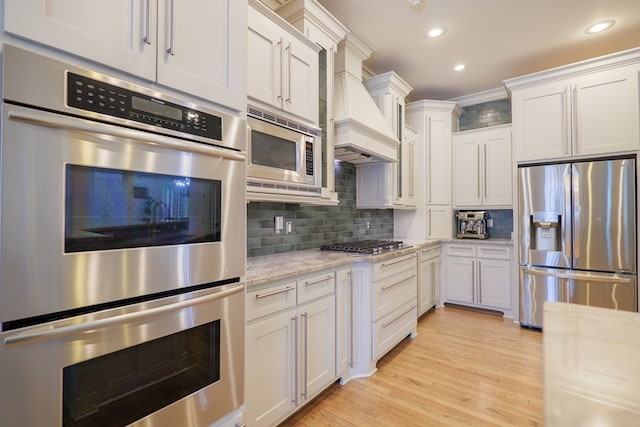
x,y
177,361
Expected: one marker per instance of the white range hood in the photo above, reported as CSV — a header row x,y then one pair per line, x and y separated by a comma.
x,y
362,134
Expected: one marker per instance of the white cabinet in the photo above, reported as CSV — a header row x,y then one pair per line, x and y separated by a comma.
x,y
290,349
326,31
344,323
482,168
581,109
479,275
435,121
390,184
195,47
384,309
428,279
282,65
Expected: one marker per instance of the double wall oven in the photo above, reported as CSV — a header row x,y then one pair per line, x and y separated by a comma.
x,y
121,254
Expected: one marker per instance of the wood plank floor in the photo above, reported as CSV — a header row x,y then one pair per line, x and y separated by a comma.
x,y
464,368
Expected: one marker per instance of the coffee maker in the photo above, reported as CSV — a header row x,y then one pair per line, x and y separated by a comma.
x,y
472,224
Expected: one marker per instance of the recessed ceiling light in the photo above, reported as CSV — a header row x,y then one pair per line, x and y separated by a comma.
x,y
436,31
600,27
459,67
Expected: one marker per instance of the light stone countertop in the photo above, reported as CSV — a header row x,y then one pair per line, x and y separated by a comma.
x,y
271,268
507,242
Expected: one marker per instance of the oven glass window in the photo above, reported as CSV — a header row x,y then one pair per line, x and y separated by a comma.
x,y
269,150
115,209
119,388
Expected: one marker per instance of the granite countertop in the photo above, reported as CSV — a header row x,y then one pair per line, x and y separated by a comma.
x,y
270,268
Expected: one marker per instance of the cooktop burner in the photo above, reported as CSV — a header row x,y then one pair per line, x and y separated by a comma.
x,y
365,246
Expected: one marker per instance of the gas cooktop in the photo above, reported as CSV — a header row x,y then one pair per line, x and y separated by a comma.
x,y
365,246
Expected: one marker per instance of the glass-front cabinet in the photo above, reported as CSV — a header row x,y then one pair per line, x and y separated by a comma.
x,y
322,28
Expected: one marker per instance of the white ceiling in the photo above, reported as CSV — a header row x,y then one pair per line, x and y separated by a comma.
x,y
496,39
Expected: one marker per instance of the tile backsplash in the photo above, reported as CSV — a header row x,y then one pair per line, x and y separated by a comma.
x,y
314,226
487,114
502,223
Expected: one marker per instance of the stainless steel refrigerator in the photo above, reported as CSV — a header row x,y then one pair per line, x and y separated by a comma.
x,y
577,235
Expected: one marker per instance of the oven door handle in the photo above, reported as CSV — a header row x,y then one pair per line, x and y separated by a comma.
x,y
82,125
49,334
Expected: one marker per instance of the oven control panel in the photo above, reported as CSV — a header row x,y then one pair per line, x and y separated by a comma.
x,y
104,98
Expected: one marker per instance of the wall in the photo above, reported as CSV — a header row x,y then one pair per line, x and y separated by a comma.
x,y
487,114
314,226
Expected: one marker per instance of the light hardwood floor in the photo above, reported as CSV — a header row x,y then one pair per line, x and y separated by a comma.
x,y
464,368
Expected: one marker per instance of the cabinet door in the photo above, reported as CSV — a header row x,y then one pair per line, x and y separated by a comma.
x,y
541,122
407,174
460,279
265,52
374,185
439,222
300,75
426,286
497,165
201,49
317,323
270,366
468,185
439,159
436,280
494,283
344,321
606,112
119,33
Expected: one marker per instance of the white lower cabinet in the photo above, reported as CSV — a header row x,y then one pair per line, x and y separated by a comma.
x,y
479,275
428,279
384,309
344,323
290,346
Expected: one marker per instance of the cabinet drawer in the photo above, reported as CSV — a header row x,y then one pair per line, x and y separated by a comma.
x,y
394,266
391,329
270,300
495,252
316,286
390,293
429,253
461,250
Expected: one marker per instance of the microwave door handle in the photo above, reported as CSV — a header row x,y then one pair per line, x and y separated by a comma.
x,y
54,333
118,132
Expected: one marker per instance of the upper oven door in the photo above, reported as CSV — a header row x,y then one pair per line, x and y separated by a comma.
x,y
94,213
276,153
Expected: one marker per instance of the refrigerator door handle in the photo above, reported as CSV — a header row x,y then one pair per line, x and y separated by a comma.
x,y
567,221
591,278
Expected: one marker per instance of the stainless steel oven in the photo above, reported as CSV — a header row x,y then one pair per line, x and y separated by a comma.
x,y
122,248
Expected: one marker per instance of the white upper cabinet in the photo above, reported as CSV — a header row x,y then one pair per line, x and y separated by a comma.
x,y
582,109
116,33
282,65
434,121
396,188
482,168
195,47
326,31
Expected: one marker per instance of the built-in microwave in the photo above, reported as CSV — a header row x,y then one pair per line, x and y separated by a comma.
x,y
283,154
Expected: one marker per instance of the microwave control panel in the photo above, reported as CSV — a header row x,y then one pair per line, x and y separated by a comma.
x,y
309,158
104,98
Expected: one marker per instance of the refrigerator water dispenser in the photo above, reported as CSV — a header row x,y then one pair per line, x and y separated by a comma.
x,y
545,227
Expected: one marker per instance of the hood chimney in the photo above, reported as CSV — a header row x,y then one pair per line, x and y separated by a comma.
x,y
362,134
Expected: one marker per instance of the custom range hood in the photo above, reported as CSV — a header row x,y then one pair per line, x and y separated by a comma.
x,y
361,131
